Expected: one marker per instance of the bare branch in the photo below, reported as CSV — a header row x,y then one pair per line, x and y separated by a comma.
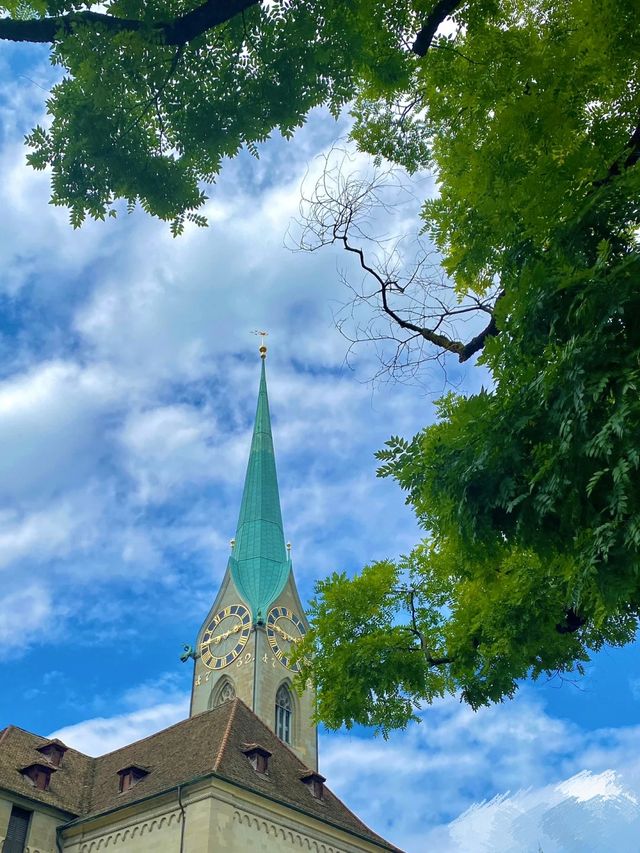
x,y
428,334
404,304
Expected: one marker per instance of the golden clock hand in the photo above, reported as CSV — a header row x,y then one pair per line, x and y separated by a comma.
x,y
286,636
219,639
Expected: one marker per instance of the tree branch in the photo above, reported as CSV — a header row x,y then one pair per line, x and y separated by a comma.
x,y
633,147
428,334
572,622
154,99
179,31
211,14
477,343
464,351
418,633
439,13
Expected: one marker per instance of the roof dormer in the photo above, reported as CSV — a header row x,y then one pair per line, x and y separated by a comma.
x,y
39,774
314,782
53,751
131,775
258,756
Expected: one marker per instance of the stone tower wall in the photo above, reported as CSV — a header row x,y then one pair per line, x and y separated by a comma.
x,y
257,674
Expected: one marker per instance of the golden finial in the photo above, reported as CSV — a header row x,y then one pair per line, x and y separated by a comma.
x,y
232,542
263,348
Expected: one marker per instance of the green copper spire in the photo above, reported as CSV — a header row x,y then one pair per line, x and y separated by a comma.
x,y
259,564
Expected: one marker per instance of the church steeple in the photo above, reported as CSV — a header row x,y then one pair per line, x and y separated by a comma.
x,y
259,563
245,646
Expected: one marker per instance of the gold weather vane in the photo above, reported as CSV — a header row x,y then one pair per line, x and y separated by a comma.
x,y
263,347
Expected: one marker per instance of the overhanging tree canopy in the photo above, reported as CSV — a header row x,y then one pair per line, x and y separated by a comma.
x,y
158,92
529,491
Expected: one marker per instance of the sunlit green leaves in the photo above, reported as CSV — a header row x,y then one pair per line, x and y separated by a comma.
x,y
529,491
368,664
137,119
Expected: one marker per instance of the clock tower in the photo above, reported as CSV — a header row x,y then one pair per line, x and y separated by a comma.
x,y
244,645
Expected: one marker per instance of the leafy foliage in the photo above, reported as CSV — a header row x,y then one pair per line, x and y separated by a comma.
x,y
528,491
139,119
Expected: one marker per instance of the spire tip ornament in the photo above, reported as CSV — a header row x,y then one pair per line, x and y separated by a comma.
x,y
263,347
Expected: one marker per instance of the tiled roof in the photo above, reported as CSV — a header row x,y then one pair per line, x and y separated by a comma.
x,y
70,784
209,743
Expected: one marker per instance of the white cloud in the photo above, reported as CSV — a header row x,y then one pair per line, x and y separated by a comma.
x,y
50,425
345,519
166,688
168,446
588,812
42,535
550,782
175,312
584,786
38,249
104,734
24,614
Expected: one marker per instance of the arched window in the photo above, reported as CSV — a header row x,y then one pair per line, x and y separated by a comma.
x,y
222,692
284,713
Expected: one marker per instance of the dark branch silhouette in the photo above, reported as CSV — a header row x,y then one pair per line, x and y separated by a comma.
x,y
413,312
415,630
632,151
440,12
572,622
179,31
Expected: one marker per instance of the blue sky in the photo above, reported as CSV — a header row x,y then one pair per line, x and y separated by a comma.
x,y
128,381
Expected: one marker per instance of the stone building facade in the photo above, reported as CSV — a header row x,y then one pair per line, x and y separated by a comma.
x,y
218,781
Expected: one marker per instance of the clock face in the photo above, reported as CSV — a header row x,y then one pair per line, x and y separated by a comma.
x,y
284,630
225,636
